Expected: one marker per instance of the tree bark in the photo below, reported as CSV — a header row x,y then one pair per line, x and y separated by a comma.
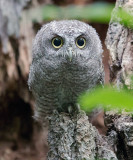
x,y
119,41
71,136
15,58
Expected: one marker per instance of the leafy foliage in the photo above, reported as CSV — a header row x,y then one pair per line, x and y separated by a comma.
x,y
108,97
94,13
99,12
124,18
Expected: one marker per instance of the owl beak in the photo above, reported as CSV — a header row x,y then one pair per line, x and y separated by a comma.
x,y
70,53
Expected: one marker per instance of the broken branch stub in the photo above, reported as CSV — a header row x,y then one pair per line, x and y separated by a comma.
x,y
72,137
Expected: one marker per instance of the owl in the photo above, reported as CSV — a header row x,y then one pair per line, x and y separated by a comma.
x,y
67,61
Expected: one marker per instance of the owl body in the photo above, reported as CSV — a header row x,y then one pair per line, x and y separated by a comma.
x,y
59,74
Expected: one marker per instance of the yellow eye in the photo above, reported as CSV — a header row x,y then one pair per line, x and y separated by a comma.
x,y
81,42
57,42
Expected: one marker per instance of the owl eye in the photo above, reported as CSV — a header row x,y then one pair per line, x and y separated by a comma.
x,y
57,42
81,42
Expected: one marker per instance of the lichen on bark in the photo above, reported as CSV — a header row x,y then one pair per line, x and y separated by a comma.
x,y
72,137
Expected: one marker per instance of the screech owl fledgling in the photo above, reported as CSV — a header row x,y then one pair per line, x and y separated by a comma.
x,y
67,61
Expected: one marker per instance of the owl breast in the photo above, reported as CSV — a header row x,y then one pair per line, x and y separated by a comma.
x,y
70,80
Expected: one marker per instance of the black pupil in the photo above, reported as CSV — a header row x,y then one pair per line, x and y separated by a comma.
x,y
57,42
80,42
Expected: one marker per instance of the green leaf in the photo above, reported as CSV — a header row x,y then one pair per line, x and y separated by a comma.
x,y
124,18
108,97
95,12
99,12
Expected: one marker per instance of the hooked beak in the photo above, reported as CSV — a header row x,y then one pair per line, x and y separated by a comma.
x,y
70,53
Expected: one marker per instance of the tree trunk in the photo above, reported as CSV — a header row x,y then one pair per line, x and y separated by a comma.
x,y
15,58
119,41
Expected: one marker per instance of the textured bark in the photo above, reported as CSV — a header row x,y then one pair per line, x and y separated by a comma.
x,y
72,137
119,41
15,59
10,13
120,134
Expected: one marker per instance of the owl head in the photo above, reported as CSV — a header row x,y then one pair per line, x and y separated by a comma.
x,y
67,41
